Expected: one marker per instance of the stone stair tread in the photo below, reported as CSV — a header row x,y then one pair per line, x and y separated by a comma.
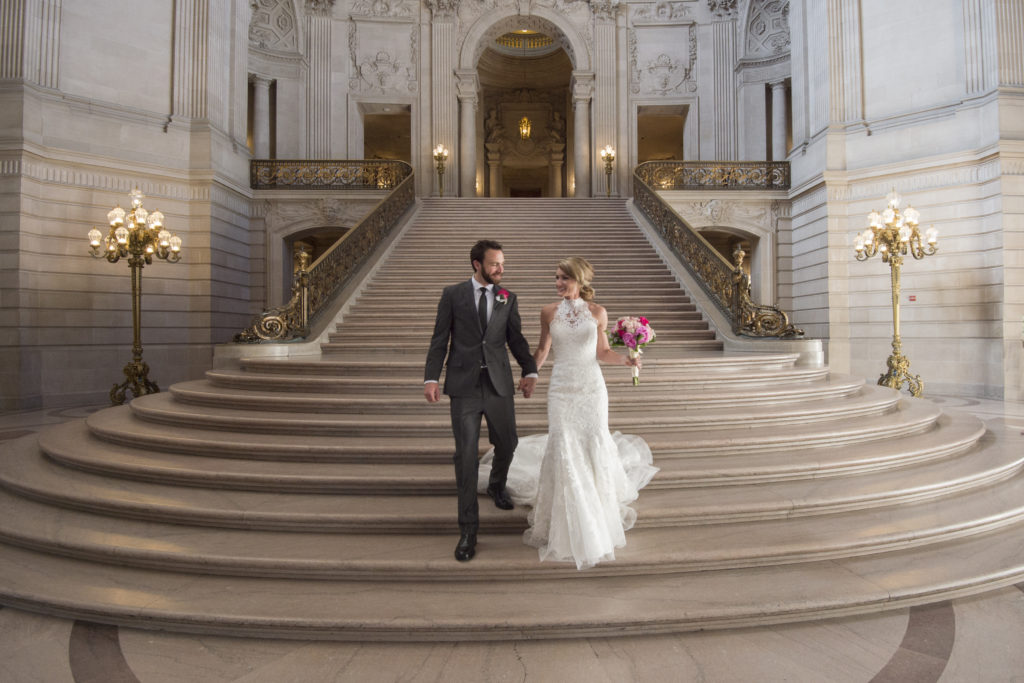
x,y
402,557
72,444
625,398
42,479
589,606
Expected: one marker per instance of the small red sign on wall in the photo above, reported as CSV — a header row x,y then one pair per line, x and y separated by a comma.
x,y
913,297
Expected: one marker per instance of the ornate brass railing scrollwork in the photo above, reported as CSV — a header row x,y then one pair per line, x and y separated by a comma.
x,y
313,174
315,284
727,285
715,175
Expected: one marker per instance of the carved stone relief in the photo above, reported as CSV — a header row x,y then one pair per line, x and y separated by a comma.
x,y
376,66
384,8
273,26
768,28
544,108
663,11
578,14
658,70
723,8
755,216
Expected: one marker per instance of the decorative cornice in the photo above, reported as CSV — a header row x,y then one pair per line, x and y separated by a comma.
x,y
319,7
605,10
724,8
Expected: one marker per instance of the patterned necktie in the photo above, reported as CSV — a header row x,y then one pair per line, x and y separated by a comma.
x,y
482,308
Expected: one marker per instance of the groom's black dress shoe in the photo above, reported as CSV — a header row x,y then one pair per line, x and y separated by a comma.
x,y
500,497
466,548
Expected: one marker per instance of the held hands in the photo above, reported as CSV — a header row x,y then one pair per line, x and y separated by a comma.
x,y
527,385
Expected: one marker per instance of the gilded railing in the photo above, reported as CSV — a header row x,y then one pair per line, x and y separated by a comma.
x,y
715,175
312,174
726,284
315,284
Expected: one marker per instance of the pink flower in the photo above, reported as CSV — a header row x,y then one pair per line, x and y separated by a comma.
x,y
502,296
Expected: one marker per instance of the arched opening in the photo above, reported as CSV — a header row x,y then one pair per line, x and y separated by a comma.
x,y
524,92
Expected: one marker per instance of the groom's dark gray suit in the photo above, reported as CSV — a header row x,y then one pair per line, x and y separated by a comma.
x,y
479,382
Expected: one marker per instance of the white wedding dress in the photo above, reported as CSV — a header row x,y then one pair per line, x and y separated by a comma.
x,y
579,478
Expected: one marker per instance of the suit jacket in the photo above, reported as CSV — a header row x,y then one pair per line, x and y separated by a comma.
x,y
458,337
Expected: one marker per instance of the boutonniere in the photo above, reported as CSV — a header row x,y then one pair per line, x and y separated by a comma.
x,y
502,296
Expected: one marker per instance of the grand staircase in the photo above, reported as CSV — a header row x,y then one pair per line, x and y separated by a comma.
x,y
313,497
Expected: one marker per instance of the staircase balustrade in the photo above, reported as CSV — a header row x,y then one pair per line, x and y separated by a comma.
x,y
715,175
315,284
313,174
727,284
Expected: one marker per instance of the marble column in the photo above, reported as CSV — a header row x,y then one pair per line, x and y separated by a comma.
x,y
466,88
260,117
555,169
443,105
318,79
582,93
780,112
724,92
493,169
604,103
191,56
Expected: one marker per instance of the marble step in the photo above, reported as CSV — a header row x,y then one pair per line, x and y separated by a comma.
x,y
42,479
622,400
679,345
121,426
401,384
435,421
75,446
588,605
426,557
709,364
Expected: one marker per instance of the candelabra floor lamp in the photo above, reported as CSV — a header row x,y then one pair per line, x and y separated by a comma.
x,y
893,234
440,156
608,156
137,236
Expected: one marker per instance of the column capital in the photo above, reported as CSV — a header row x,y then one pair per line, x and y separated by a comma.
x,y
467,84
260,81
319,7
582,86
605,10
443,9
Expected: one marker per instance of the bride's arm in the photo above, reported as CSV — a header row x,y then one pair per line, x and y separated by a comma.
x,y
604,349
544,345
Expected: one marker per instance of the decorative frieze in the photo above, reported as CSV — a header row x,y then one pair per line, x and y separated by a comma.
x,y
723,8
443,9
376,67
768,28
384,9
662,12
605,10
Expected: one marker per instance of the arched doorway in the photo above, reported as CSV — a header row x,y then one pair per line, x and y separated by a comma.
x,y
525,107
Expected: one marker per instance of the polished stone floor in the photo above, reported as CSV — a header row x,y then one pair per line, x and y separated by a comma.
x,y
970,639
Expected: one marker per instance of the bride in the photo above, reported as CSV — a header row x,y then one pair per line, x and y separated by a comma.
x,y
579,478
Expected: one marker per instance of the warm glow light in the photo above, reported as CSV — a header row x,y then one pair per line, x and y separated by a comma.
x,y
911,215
94,237
116,217
155,220
136,196
931,235
175,242
524,128
608,153
163,236
121,235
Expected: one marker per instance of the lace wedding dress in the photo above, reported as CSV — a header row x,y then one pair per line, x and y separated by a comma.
x,y
579,478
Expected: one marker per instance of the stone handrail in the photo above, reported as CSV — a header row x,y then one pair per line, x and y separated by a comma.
x,y
726,284
715,175
313,174
315,284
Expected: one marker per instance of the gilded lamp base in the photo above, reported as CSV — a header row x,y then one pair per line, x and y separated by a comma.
x,y
899,374
137,381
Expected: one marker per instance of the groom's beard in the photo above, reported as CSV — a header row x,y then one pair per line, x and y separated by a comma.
x,y
490,279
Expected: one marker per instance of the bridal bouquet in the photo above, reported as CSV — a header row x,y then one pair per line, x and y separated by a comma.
x,y
633,332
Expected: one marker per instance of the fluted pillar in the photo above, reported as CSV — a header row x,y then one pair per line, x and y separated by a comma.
x,y
780,114
260,117
555,164
467,92
604,104
582,93
191,57
724,46
444,120
318,78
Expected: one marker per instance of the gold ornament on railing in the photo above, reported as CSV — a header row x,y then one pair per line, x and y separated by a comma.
x,y
727,285
715,175
440,156
314,285
608,156
139,236
893,234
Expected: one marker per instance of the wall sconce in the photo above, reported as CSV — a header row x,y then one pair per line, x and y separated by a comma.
x,y
524,128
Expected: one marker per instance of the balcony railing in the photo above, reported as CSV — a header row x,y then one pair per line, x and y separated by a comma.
x,y
726,284
715,175
314,174
314,285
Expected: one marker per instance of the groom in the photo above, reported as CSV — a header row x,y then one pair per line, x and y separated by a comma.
x,y
476,319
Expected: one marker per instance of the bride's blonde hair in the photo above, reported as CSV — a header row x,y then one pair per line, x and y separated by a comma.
x,y
580,270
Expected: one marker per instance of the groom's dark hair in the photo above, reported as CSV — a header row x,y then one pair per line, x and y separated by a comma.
x,y
481,248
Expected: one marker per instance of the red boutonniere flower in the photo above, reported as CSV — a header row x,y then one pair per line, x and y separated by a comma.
x,y
502,296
